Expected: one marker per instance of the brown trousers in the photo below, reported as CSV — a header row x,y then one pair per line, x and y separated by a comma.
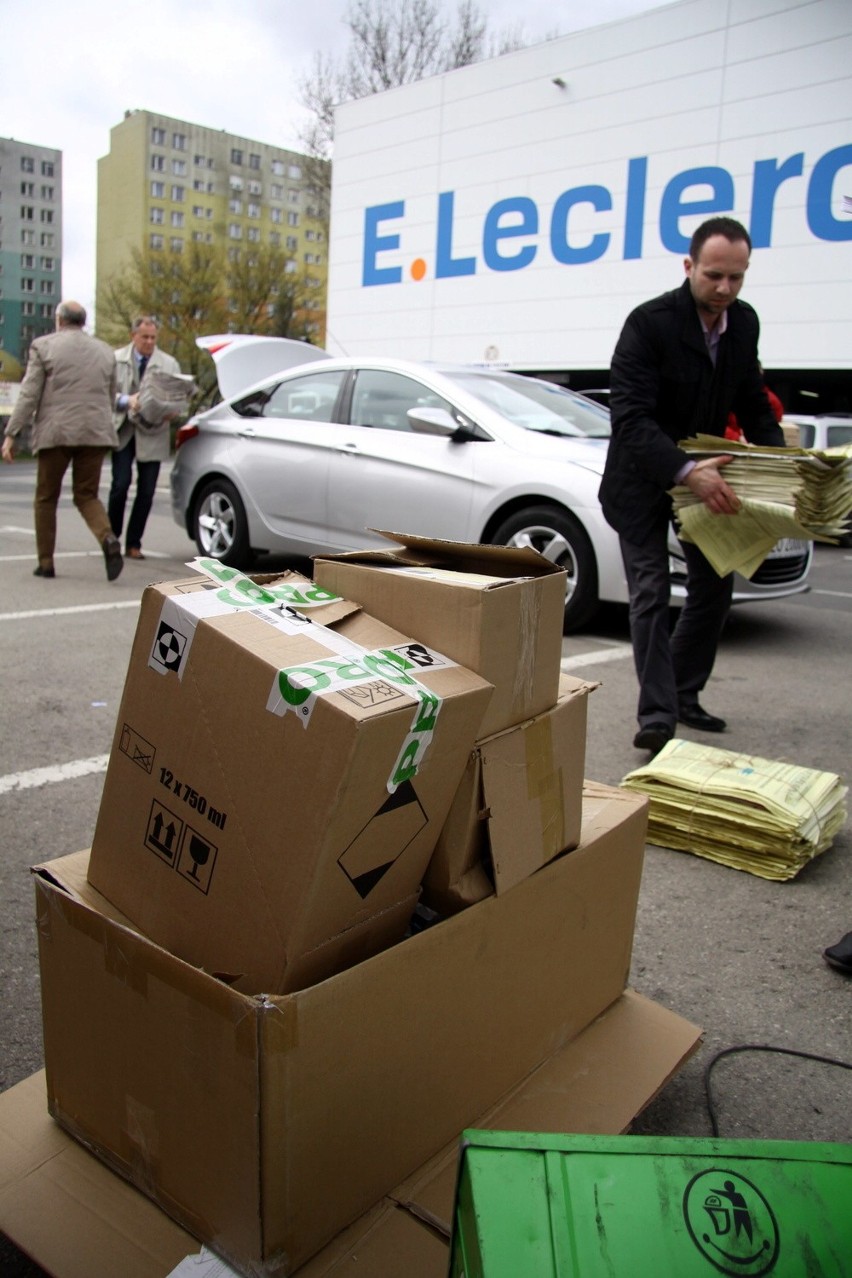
x,y
85,463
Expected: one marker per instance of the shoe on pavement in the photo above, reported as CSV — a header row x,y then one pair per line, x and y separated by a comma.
x,y
134,552
112,556
653,737
44,572
695,716
840,955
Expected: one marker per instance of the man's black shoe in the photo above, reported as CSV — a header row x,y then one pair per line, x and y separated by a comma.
x,y
840,955
112,556
695,717
652,737
44,572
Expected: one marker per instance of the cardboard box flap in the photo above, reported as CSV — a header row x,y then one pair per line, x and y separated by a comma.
x,y
77,1219
511,562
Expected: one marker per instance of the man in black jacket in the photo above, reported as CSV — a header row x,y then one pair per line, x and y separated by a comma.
x,y
683,362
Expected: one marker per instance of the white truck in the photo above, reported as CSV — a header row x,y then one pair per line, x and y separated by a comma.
x,y
513,212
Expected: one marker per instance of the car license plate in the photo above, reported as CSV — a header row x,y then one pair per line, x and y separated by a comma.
x,y
787,546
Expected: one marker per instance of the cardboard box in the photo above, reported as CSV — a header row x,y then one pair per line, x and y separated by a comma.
x,y
278,778
77,1219
519,804
265,1125
497,610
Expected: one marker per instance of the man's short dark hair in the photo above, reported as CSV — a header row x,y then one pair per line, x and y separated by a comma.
x,y
727,226
144,319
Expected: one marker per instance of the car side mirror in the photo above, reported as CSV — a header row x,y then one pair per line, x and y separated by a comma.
x,y
432,421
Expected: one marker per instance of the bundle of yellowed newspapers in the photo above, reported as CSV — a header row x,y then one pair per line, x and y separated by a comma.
x,y
805,493
768,818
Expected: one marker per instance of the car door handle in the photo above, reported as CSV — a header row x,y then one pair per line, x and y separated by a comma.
x,y
247,432
349,447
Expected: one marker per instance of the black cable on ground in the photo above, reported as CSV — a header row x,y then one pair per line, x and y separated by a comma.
x,y
758,1047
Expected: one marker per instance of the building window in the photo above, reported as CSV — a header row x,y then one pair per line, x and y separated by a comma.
x,y
45,309
197,210
28,188
254,187
47,240
177,217
27,285
47,215
253,209
236,155
294,197
47,192
27,237
178,193
235,231
275,239
233,255
278,168
292,242
27,164
276,215
235,205
290,267
158,136
292,219
27,261
176,244
294,172
158,163
179,141
200,160
254,161
157,216
198,184
47,264
310,235
198,237
235,182
156,241
276,191
179,168
253,234
27,214
47,168
46,286
28,308
208,213
158,190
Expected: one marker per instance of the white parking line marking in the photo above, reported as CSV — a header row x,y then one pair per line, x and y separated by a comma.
x,y
64,612
596,658
838,594
36,777
30,532
76,554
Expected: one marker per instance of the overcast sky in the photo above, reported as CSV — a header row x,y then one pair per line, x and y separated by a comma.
x,y
71,70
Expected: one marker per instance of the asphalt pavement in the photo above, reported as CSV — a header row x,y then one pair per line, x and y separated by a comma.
x,y
737,955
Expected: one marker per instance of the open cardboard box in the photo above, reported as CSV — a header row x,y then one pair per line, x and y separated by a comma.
x,y
266,1125
498,610
282,766
77,1219
518,805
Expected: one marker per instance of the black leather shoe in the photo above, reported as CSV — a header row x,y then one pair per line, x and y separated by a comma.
x,y
840,955
695,717
112,556
652,737
44,572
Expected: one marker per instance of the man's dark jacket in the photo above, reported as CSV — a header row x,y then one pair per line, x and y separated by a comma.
x,y
663,388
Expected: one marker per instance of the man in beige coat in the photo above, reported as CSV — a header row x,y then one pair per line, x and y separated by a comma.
x,y
67,396
147,445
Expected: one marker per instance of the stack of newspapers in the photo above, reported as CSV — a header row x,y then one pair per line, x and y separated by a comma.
x,y
768,818
163,396
786,492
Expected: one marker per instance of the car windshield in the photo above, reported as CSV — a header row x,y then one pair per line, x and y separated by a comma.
x,y
534,404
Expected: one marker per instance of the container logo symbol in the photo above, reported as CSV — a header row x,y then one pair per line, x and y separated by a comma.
x,y
731,1223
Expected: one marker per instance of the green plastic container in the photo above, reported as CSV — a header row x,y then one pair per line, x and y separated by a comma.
x,y
543,1206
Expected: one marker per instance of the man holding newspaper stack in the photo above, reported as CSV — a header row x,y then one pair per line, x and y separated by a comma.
x,y
683,362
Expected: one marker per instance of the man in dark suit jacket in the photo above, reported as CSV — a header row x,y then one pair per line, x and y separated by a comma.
x,y
683,362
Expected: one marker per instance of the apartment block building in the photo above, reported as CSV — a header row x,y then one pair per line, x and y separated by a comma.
x,y
30,248
166,183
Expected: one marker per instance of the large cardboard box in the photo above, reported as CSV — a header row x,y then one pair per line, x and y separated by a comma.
x,y
77,1219
518,805
497,610
281,769
265,1125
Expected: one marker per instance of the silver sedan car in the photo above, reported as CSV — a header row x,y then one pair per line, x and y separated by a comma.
x,y
310,460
